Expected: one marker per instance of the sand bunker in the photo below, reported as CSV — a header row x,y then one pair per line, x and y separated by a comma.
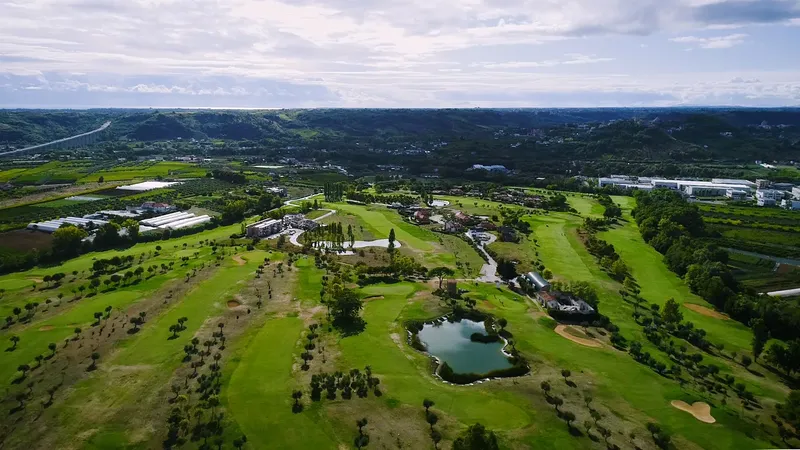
x,y
239,260
562,331
700,410
233,304
708,312
373,297
46,328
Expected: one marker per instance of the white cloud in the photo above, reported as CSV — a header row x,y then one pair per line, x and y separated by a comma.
x,y
714,42
392,52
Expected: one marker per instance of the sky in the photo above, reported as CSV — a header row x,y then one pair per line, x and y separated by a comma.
x,y
398,53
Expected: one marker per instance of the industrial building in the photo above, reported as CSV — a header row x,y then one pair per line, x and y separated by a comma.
x,y
537,281
175,221
50,226
299,221
264,228
736,194
793,205
715,188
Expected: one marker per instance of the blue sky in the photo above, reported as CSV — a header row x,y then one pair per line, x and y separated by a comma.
x,y
399,53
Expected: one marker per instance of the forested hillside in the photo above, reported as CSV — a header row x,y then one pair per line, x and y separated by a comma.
x,y
507,135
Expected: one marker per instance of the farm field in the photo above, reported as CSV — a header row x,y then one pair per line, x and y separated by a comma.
x,y
771,231
148,170
130,377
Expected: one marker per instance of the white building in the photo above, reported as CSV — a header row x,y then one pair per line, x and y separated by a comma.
x,y
771,194
735,194
733,181
766,202
796,193
762,184
264,228
794,205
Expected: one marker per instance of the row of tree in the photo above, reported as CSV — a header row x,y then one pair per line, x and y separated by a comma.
x,y
676,229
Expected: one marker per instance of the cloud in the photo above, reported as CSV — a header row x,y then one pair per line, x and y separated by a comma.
x,y
346,52
714,42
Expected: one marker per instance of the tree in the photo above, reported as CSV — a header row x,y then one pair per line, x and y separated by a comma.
x,y
14,342
24,368
760,336
476,437
77,331
361,423
502,322
52,347
746,361
436,437
346,306
545,387
391,240
566,374
432,419
67,241
297,395
132,229
671,312
95,356
427,404
440,273
569,417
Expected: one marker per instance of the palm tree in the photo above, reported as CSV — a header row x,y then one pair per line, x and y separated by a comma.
x,y
52,346
432,419
14,340
427,404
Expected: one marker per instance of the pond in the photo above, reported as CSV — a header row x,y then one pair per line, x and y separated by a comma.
x,y
450,342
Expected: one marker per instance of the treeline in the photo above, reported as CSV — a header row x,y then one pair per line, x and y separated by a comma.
x,y
606,255
333,192
612,210
229,176
363,197
676,229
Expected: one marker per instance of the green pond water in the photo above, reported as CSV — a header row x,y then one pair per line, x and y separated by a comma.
x,y
450,342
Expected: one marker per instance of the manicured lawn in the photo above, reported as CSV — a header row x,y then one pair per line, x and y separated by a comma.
x,y
259,394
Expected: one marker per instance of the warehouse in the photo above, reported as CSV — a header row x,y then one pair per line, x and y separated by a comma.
x,y
50,226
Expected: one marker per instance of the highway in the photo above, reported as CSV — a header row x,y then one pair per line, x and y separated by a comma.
x,y
72,141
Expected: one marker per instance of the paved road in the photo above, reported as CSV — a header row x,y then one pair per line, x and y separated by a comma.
x,y
785,293
488,270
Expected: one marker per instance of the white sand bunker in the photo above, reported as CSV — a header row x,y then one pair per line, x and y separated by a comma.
x,y
700,410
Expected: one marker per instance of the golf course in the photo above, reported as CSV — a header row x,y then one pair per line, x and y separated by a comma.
x,y
217,340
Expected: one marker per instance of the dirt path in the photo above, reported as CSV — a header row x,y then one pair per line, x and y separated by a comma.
x,y
239,260
700,410
708,312
562,331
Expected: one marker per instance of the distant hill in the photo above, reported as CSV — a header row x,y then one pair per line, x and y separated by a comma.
x,y
640,133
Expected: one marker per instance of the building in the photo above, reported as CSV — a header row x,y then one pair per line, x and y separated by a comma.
x,y
706,191
793,205
157,207
461,217
771,194
564,303
735,194
275,190
422,216
537,281
733,181
766,202
452,226
264,228
762,184
490,168
299,221
782,186
487,226
796,193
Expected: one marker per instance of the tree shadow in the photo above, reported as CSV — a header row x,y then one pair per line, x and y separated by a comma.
x,y
133,330
574,431
173,337
11,349
570,383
